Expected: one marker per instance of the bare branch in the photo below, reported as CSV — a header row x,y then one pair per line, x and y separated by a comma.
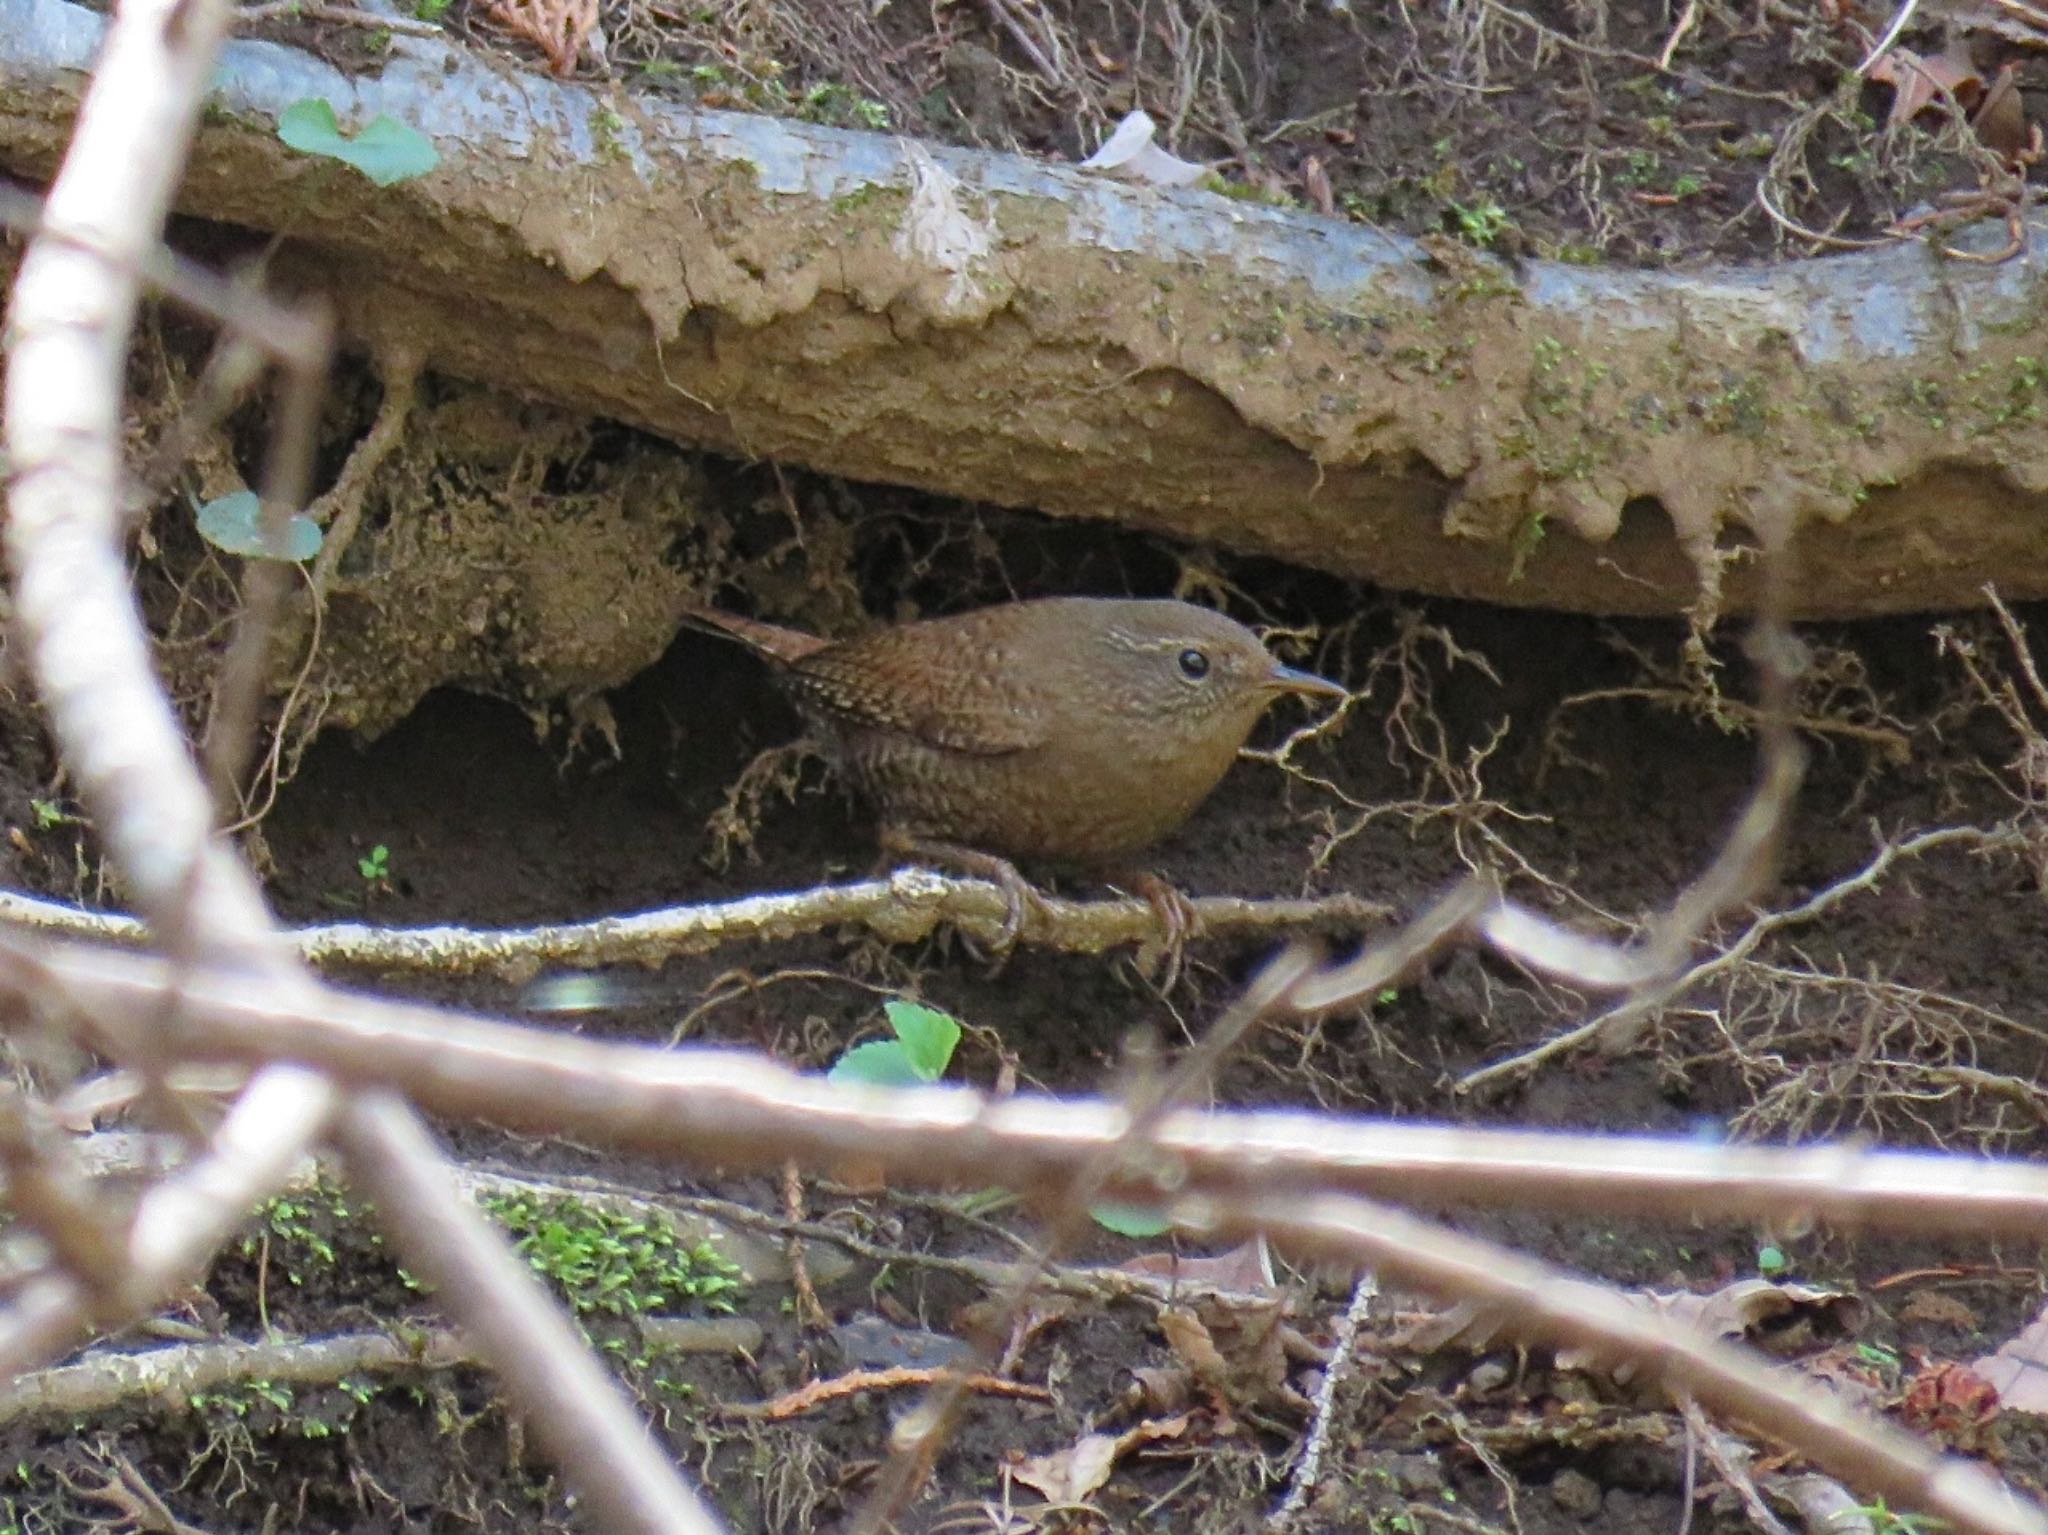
x,y
904,908
735,1108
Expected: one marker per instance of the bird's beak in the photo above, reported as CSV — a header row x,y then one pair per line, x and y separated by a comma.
x,y
1286,679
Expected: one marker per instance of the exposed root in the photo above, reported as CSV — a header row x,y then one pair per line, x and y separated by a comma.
x,y
736,823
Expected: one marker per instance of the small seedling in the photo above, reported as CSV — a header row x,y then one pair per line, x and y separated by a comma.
x,y
921,1051
1888,1521
1480,224
375,868
50,815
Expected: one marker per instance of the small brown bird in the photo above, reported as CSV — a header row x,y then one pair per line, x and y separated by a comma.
x,y
1077,730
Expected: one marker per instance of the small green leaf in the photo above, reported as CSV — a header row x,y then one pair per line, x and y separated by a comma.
x,y
1770,1261
387,151
929,1037
1130,1220
878,1063
234,523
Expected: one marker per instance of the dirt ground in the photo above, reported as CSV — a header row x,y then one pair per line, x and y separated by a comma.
x,y
1573,130
1599,763
1566,743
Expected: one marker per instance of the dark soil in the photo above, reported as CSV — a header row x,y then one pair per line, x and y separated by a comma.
x,y
1619,801
1576,130
1546,130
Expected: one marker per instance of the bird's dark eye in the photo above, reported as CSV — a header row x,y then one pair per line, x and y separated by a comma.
x,y
1194,664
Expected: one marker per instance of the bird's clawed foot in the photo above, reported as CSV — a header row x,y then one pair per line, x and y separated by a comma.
x,y
1021,899
1178,923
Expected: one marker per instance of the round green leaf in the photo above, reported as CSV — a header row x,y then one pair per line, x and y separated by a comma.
x,y
1130,1220
234,523
387,151
929,1036
878,1063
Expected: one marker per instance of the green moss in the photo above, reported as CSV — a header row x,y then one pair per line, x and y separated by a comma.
x,y
608,134
1244,192
1740,406
866,196
297,1229
613,1264
1929,401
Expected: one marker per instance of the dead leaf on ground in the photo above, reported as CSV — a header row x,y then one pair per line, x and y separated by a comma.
x,y
1939,1309
1997,114
1918,80
2000,120
1070,1476
2017,21
1241,1353
1951,1402
1247,1269
2018,1370
1160,1390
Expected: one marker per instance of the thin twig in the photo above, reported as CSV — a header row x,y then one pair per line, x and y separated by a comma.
x,y
1308,1465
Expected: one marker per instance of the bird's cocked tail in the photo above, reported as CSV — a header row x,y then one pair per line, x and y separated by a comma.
x,y
788,646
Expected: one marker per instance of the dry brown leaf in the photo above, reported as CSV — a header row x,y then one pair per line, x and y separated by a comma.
x,y
1740,1309
1072,1475
1068,1476
1316,182
1744,1309
1940,1309
2018,1370
1917,81
1189,1337
2019,21
1240,1351
1246,1269
2000,120
1952,1403
1164,1390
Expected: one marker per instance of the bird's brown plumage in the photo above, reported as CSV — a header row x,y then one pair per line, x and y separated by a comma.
x,y
1075,729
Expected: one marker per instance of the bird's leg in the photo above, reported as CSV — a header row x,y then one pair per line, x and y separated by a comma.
x,y
1177,919
1020,897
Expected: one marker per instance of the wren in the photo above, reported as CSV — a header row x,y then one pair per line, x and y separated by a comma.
x,y
1076,730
